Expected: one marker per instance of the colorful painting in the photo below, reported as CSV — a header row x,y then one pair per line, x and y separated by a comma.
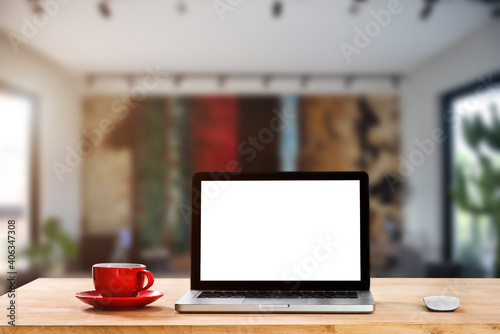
x,y
345,133
214,126
106,172
138,177
258,138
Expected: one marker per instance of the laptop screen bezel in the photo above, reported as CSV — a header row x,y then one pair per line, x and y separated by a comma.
x,y
197,284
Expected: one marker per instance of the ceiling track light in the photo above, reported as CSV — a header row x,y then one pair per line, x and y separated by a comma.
x,y
277,9
354,9
222,81
36,7
348,81
396,80
104,9
130,81
177,80
304,81
495,13
266,79
181,7
428,8
90,80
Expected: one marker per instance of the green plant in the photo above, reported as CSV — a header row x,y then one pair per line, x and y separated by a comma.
x,y
151,174
55,242
478,191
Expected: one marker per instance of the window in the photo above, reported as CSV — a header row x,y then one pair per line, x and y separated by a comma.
x,y
16,162
472,169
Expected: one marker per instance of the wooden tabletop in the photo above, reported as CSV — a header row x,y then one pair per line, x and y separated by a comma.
x,y
50,304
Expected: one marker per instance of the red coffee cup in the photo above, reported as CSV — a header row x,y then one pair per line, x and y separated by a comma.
x,y
120,279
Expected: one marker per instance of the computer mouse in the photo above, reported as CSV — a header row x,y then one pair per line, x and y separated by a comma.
x,y
442,303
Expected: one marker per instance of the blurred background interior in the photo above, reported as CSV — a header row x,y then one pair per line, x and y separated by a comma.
x,y
108,107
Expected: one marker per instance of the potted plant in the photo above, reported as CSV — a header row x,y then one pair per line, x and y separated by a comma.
x,y
51,253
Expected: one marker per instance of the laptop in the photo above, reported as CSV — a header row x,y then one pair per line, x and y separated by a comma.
x,y
287,242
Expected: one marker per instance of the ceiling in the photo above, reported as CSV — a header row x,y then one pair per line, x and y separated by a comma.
x,y
305,38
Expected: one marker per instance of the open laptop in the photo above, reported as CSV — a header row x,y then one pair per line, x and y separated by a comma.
x,y
279,242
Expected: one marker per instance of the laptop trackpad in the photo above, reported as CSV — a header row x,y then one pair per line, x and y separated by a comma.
x,y
275,301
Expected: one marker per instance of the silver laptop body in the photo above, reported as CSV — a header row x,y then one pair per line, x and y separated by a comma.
x,y
287,242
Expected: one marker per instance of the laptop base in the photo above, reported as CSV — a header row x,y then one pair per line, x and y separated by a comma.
x,y
189,303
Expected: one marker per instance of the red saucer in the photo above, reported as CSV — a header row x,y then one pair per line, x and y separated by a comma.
x,y
118,303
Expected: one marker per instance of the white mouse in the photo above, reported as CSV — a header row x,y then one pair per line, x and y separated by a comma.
x,y
442,303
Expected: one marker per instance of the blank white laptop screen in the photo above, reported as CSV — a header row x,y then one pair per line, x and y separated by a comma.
x,y
286,230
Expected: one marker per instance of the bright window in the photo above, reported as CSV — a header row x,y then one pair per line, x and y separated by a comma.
x,y
15,149
474,237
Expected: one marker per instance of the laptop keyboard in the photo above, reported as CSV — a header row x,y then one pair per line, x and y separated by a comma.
x,y
280,294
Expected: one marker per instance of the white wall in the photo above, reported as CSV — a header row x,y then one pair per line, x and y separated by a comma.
x,y
465,62
58,114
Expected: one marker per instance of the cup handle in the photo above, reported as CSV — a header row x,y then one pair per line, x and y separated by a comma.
x,y
151,280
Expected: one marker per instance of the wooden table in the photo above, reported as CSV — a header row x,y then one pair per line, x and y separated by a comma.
x,y
50,305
